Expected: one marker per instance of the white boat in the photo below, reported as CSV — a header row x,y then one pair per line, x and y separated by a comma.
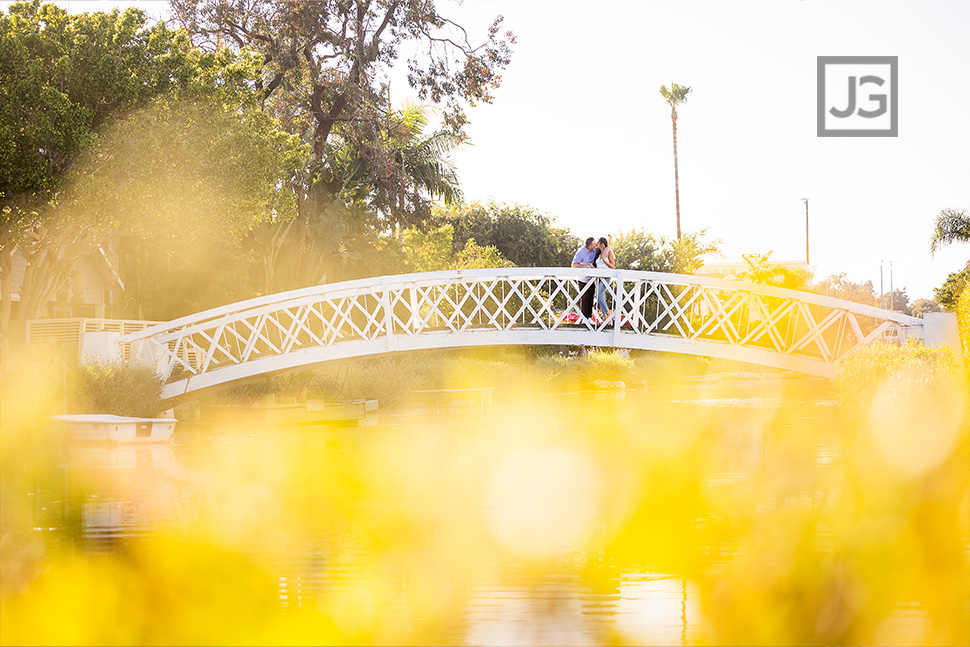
x,y
117,428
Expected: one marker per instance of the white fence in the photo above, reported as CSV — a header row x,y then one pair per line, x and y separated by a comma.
x,y
83,337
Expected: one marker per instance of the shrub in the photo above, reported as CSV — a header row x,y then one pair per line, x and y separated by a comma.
x,y
387,380
912,372
948,294
116,388
577,373
963,318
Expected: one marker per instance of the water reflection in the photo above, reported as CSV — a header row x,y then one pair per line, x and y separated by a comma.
x,y
550,611
656,609
474,537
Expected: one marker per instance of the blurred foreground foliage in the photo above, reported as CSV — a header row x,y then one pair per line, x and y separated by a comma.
x,y
785,522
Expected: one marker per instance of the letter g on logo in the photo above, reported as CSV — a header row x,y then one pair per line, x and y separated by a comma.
x,y
880,98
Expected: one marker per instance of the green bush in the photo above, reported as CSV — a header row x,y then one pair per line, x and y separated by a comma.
x,y
387,380
576,373
963,317
115,388
917,370
607,365
948,294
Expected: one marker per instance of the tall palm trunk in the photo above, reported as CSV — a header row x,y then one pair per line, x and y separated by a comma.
x,y
674,96
673,120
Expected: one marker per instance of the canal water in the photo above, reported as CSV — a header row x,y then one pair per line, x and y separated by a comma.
x,y
705,514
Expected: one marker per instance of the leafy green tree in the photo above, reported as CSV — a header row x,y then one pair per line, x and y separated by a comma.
x,y
433,250
327,241
180,183
428,251
164,282
474,256
641,250
761,270
685,254
63,77
181,175
187,179
840,287
922,306
674,96
522,234
948,294
950,226
322,76
897,301
153,138
182,168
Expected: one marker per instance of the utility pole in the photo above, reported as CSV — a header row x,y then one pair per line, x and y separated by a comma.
x,y
882,295
805,200
892,295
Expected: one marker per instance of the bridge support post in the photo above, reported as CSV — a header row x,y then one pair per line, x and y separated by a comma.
x,y
388,316
618,306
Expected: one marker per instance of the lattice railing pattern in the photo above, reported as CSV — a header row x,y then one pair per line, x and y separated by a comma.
x,y
464,303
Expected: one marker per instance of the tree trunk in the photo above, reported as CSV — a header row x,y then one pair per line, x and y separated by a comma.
x,y
6,283
6,296
673,120
271,240
49,264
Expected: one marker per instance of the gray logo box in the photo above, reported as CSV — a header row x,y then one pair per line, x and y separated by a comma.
x,y
864,80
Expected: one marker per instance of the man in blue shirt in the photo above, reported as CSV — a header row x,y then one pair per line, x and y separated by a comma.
x,y
584,257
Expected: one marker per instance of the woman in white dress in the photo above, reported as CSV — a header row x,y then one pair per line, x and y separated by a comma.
x,y
605,259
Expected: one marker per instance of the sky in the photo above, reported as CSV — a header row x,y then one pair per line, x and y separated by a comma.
x,y
578,128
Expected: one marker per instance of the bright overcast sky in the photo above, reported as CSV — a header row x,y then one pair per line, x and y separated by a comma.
x,y
579,130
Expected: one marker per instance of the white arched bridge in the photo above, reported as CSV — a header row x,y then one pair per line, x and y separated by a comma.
x,y
719,318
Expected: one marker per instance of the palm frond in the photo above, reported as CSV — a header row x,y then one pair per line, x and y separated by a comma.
x,y
413,117
440,144
951,226
675,95
437,178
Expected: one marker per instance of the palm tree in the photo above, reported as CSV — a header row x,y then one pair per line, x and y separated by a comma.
x,y
425,158
675,95
951,226
762,270
406,172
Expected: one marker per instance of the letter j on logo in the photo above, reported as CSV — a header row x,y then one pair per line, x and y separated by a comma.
x,y
858,96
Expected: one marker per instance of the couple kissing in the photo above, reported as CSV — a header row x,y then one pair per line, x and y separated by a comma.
x,y
598,254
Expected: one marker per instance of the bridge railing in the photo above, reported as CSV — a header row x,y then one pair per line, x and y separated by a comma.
x,y
469,306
